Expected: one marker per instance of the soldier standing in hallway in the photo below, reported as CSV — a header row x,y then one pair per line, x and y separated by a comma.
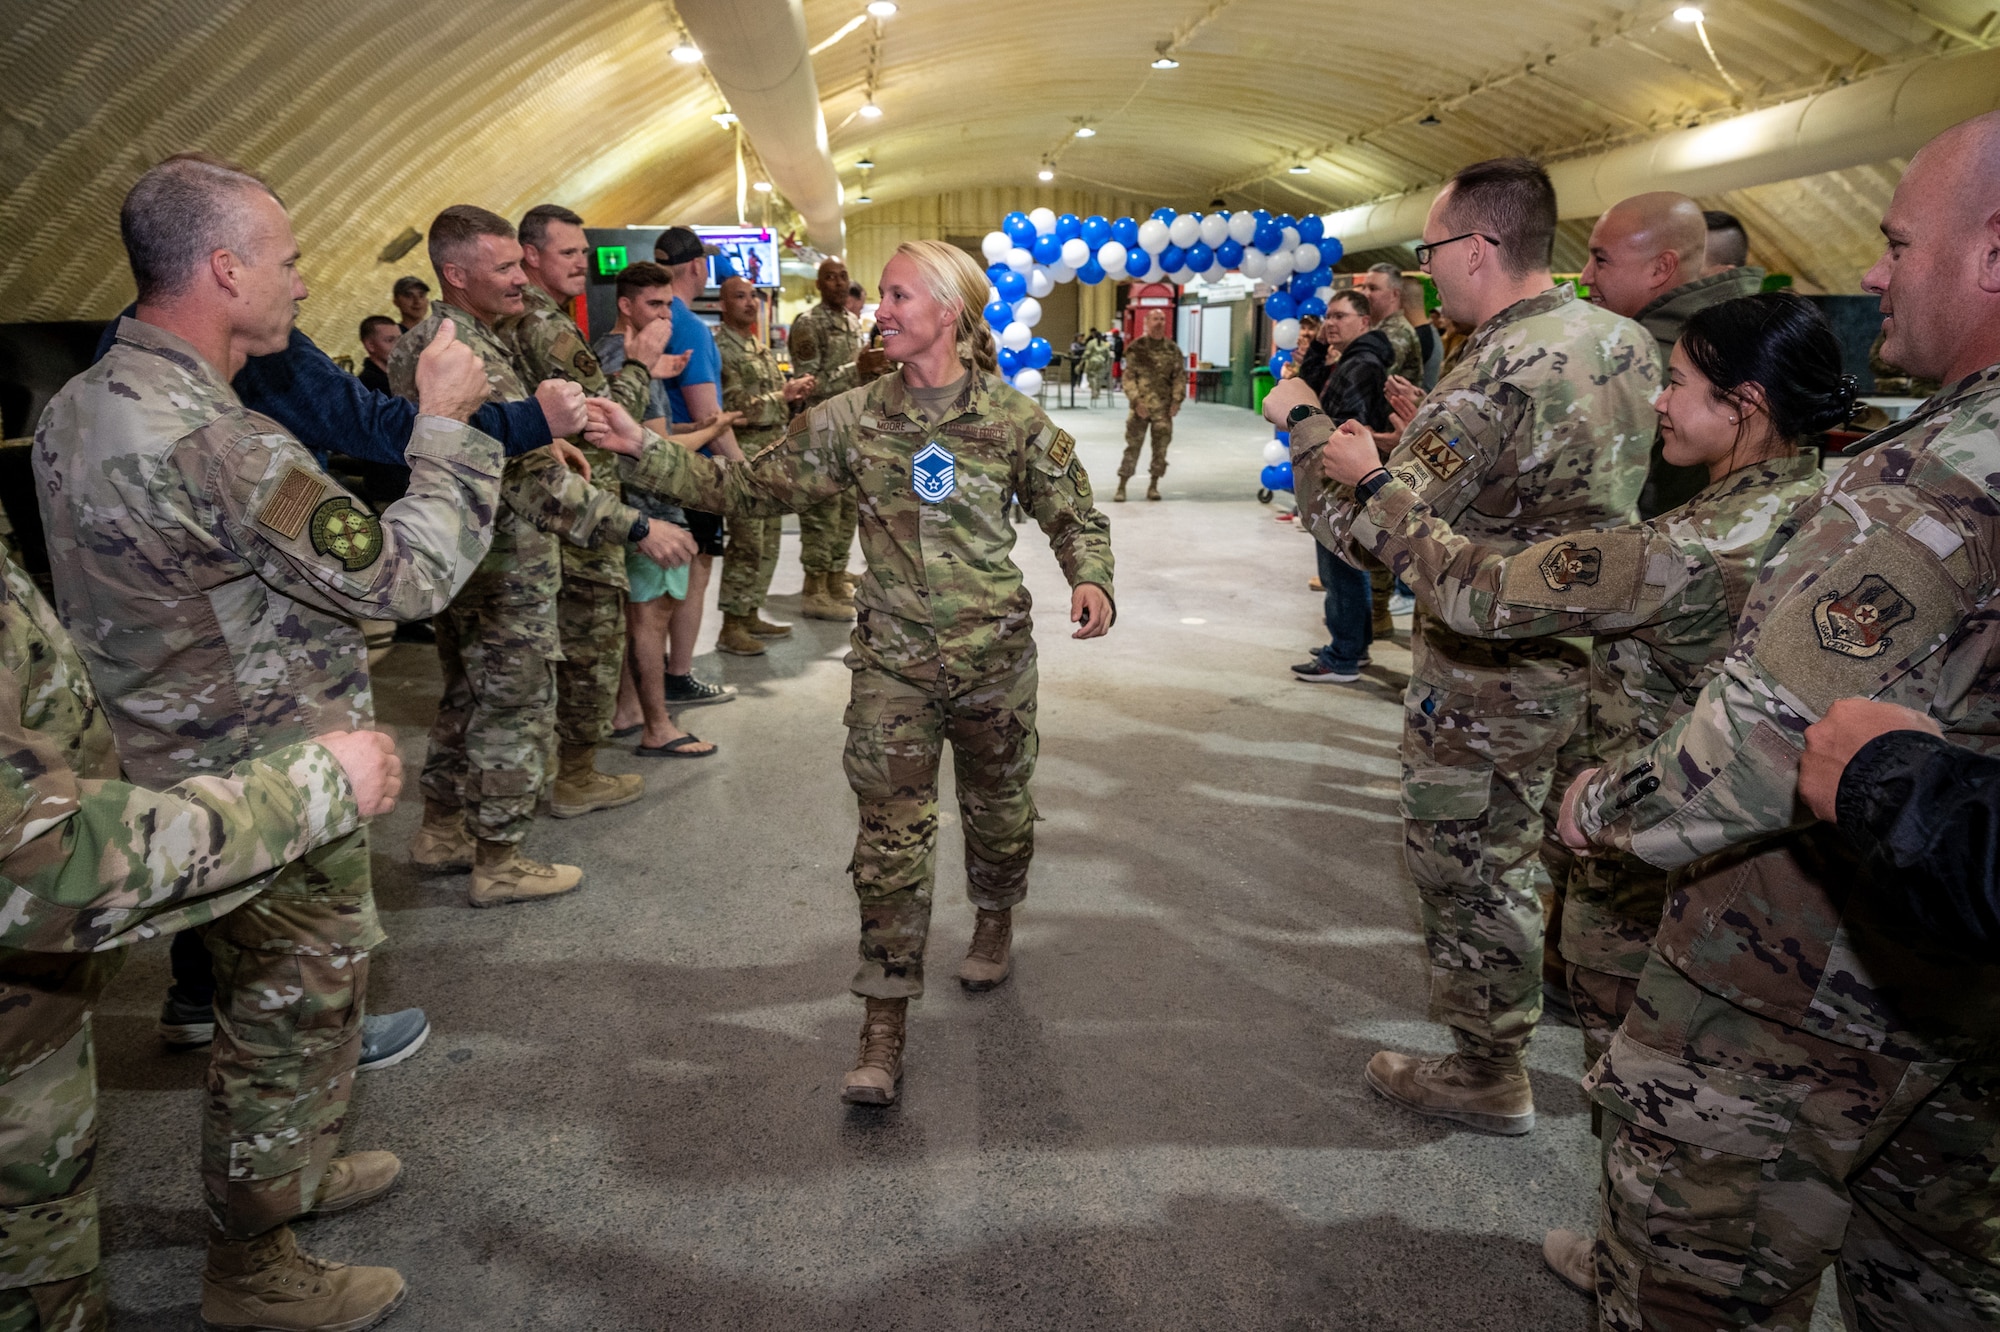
x,y
826,343
753,385
1383,284
1541,429
1156,384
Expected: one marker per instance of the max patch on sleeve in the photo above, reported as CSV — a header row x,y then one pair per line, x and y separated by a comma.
x,y
286,511
1590,571
1875,613
1061,450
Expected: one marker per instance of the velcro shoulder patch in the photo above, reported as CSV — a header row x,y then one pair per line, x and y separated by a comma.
x,y
344,532
1062,450
1876,612
1441,457
292,503
1587,572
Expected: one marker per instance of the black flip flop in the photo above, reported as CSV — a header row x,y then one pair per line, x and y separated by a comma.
x,y
675,749
627,732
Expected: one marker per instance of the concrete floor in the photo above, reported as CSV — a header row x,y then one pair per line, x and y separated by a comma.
x,y
627,1115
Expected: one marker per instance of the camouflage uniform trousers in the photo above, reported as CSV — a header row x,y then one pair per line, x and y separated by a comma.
x,y
748,562
1749,1154
826,533
1611,910
49,1245
896,730
1162,426
1487,734
590,624
489,747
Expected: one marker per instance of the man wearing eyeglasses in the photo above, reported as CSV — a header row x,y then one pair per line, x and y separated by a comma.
x,y
1543,427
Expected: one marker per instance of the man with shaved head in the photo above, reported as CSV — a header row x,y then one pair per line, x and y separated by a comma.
x,y
1806,1074
1648,256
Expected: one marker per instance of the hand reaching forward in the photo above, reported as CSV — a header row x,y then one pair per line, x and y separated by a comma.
x,y
1834,740
612,427
561,402
371,763
451,379
570,456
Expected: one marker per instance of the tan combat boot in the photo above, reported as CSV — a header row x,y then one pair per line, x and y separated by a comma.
x,y
501,874
1491,1095
581,789
840,586
816,602
990,960
442,845
1118,495
1569,1255
879,1070
1153,489
764,628
737,638
352,1180
266,1284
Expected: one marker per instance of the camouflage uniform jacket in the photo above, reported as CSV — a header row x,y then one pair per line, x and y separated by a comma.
x,y
942,601
91,863
1667,314
1883,590
1409,362
540,498
547,344
752,384
1155,373
826,344
212,574
1543,428
1662,596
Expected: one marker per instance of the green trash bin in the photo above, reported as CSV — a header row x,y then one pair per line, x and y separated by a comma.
x,y
1260,384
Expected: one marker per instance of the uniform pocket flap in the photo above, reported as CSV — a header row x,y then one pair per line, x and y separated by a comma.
x,y
1720,1109
53,1240
1436,794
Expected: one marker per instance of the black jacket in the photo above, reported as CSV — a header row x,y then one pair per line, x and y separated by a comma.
x,y
1354,391
1313,367
1925,816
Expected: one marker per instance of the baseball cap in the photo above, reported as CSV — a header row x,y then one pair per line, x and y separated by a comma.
x,y
409,282
677,245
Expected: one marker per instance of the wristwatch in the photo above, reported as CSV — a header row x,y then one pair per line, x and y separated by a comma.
x,y
1365,488
1300,413
640,527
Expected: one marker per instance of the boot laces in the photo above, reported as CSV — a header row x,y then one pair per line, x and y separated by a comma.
x,y
989,935
880,1043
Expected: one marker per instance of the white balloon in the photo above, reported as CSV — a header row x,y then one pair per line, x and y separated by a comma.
x,y
1278,267
1044,220
1076,252
1015,336
1111,258
1180,277
1284,333
995,246
1153,235
1291,235
1214,229
1275,453
1019,260
1253,260
1028,381
992,294
1062,272
1324,293
1305,259
1040,283
1242,227
1028,311
1184,230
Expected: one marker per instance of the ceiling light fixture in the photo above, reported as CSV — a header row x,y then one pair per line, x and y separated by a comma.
x,y
1045,174
870,111
1166,62
1688,14
1085,132
1430,119
862,198
762,186
1300,169
724,118
864,165
687,53
882,8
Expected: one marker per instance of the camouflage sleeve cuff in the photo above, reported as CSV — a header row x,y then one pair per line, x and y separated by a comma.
x,y
441,439
1311,433
324,798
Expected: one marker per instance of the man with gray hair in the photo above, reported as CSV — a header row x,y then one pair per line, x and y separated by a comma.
x,y
1384,285
213,577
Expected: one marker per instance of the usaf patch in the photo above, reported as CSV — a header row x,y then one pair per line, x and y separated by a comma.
x,y
934,473
1062,450
348,534
1857,623
285,512
1568,565
1440,458
585,363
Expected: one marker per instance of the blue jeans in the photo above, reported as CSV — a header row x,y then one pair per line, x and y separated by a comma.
x,y
1350,612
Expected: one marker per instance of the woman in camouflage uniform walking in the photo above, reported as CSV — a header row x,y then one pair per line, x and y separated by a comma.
x,y
942,645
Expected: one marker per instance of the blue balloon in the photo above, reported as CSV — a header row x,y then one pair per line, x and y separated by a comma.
x,y
1010,361
1019,229
1278,476
1301,286
1278,305
1091,273
1330,250
1322,277
1126,232
1038,353
1270,237
1262,215
1047,250
1311,305
1096,232
1012,287
1172,259
1311,228
1279,360
993,272
1068,227
1165,215
1200,258
1229,254
1285,220
999,314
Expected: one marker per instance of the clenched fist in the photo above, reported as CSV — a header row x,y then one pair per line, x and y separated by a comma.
x,y
562,405
371,763
451,379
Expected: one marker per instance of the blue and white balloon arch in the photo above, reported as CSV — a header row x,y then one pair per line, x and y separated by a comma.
x,y
1033,252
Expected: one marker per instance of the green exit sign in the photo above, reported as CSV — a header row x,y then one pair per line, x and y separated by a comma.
x,y
611,260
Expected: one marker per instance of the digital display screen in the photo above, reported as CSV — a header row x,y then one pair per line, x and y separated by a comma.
x,y
750,252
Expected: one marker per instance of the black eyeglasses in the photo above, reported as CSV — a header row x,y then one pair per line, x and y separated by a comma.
x,y
1424,252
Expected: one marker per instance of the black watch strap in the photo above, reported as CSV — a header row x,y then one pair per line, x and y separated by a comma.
x,y
1364,489
1300,413
641,526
